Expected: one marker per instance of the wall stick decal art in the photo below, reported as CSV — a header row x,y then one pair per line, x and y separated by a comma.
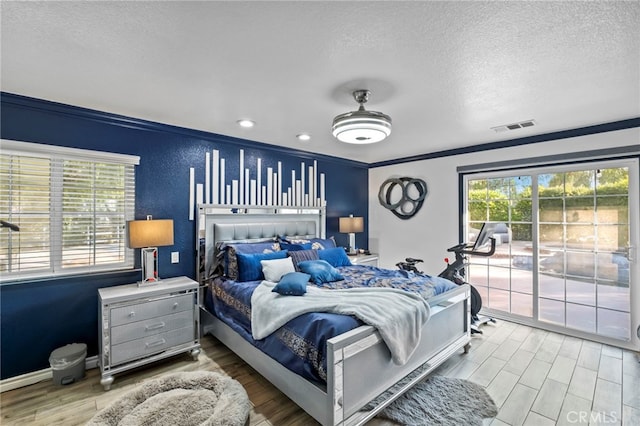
x,y
410,199
247,188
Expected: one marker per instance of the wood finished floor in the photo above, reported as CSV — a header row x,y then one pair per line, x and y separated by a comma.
x,y
535,377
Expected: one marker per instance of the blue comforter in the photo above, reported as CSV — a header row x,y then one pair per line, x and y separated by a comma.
x,y
368,276
300,345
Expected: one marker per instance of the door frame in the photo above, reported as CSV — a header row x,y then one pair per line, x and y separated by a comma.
x,y
633,165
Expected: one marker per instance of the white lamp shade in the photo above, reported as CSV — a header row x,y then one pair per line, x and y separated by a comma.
x,y
150,233
351,224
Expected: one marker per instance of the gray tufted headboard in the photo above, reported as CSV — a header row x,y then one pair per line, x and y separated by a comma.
x,y
263,230
225,226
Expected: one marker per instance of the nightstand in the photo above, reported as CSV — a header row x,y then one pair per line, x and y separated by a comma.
x,y
364,259
140,325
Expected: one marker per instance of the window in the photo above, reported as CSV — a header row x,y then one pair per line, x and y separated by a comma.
x,y
71,207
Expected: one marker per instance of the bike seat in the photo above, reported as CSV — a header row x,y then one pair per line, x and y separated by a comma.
x,y
412,260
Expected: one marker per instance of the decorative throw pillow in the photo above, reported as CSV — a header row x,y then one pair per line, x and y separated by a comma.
x,y
316,243
249,267
302,255
323,243
295,247
292,284
274,269
335,256
231,250
320,271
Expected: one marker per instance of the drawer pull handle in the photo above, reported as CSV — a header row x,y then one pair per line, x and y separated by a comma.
x,y
156,343
132,314
154,326
175,305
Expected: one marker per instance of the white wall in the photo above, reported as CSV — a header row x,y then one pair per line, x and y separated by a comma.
x,y
434,228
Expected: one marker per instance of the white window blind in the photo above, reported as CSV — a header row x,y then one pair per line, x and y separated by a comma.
x,y
71,207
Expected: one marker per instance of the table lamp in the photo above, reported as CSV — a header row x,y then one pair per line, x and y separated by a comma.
x,y
148,235
350,225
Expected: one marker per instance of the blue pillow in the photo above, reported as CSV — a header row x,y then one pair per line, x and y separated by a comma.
x,y
230,254
249,266
335,256
292,284
320,271
295,246
316,243
323,243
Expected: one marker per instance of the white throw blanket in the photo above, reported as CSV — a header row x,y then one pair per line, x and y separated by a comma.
x,y
398,315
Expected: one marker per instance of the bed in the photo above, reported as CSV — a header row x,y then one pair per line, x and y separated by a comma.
x,y
333,380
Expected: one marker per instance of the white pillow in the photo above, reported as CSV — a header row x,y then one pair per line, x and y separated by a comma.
x,y
274,269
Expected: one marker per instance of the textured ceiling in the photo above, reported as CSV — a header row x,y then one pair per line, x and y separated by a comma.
x,y
446,72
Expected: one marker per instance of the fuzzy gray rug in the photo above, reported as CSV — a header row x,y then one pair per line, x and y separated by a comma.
x,y
442,401
189,398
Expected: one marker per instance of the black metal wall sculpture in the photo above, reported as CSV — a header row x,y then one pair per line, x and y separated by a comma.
x,y
407,206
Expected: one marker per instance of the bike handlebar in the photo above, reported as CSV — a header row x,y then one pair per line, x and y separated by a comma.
x,y
463,248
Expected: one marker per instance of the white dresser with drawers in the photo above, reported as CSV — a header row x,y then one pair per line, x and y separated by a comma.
x,y
139,325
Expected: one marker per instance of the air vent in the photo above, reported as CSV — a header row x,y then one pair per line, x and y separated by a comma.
x,y
514,126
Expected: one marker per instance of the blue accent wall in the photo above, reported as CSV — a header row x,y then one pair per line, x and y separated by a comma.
x,y
39,316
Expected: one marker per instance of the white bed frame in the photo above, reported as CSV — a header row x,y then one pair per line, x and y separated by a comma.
x,y
359,366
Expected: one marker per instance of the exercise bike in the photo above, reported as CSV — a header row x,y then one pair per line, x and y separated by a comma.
x,y
455,271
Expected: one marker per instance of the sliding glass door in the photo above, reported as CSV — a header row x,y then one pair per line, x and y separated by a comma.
x,y
565,249
505,280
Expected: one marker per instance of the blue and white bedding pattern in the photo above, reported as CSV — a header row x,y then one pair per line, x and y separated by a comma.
x,y
300,345
368,276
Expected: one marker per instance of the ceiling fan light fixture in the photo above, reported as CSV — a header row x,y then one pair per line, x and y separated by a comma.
x,y
361,126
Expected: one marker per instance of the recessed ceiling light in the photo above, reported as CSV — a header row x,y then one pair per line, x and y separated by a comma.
x,y
304,137
246,123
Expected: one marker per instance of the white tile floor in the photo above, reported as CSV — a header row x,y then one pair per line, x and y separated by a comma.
x,y
542,378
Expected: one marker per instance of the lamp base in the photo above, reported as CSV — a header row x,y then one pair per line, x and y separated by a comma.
x,y
352,243
149,263
148,283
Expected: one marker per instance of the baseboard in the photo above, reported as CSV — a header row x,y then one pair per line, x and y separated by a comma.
x,y
38,376
91,362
